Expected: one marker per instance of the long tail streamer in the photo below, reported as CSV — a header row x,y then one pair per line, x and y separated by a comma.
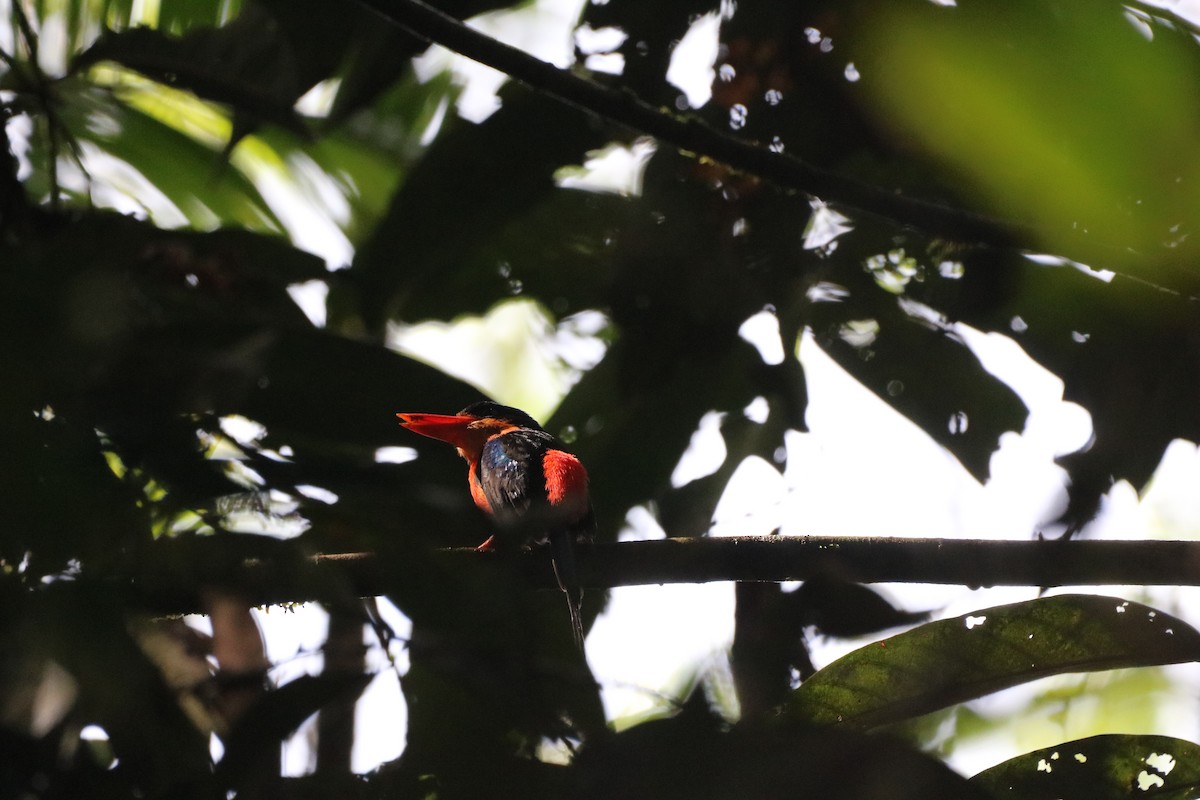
x,y
562,557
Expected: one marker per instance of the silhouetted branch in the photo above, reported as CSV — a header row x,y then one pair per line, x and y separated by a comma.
x,y
692,135
972,563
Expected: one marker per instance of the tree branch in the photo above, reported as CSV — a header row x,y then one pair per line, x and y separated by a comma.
x,y
973,563
693,135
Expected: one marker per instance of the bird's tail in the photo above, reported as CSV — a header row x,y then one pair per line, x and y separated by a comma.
x,y
562,557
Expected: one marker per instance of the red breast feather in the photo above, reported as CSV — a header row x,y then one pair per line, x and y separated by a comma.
x,y
566,485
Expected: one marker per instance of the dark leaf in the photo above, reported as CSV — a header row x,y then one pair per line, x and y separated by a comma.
x,y
80,627
494,674
1110,767
768,645
953,660
440,216
693,757
840,608
1122,348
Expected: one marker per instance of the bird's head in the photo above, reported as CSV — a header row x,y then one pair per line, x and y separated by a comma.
x,y
469,429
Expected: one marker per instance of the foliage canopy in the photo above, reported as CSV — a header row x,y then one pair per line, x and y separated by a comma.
x,y
881,177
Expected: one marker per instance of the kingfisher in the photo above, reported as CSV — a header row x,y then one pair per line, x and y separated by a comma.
x,y
520,475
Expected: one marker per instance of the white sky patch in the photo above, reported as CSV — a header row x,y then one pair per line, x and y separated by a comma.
x,y
543,29
1188,9
616,169
577,339
381,716
93,733
310,296
1169,500
242,430
753,501
1163,762
918,310
308,228
118,185
1146,781
53,43
649,638
1062,427
692,62
704,454
318,101
824,226
608,63
758,410
1166,508
19,129
860,444
599,40
294,638
318,187
762,331
598,45
394,455
317,493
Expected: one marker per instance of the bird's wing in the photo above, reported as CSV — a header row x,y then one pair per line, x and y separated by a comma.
x,y
510,471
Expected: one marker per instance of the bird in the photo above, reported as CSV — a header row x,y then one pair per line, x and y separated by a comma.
x,y
520,475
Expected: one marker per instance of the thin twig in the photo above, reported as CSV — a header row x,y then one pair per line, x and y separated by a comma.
x,y
693,135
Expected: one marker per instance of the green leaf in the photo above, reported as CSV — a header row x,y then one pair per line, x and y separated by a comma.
x,y
362,174
1109,767
184,170
178,16
953,660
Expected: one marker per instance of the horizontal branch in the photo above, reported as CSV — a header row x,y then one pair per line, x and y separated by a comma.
x,y
693,135
972,562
